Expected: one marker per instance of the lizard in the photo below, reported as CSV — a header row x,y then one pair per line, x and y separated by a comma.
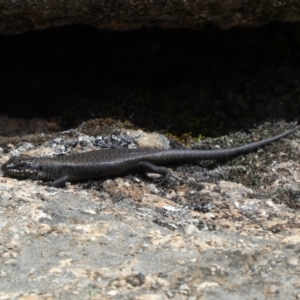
x,y
117,161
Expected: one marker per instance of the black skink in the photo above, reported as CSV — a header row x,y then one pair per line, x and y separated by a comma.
x,y
116,161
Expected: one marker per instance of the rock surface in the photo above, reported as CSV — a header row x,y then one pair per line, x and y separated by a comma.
x,y
19,16
126,238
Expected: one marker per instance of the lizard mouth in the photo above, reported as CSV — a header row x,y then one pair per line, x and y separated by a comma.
x,y
19,167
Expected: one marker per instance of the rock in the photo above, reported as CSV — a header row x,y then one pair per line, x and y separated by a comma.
x,y
127,239
19,16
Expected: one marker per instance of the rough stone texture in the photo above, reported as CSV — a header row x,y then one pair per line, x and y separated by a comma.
x,y
125,238
18,16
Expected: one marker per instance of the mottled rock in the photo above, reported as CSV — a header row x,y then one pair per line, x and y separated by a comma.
x,y
130,239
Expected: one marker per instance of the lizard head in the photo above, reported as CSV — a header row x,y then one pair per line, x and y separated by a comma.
x,y
21,166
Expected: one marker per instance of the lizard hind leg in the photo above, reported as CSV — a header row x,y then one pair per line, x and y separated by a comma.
x,y
165,172
59,182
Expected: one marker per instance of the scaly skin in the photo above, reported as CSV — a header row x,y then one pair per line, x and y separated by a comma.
x,y
116,161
